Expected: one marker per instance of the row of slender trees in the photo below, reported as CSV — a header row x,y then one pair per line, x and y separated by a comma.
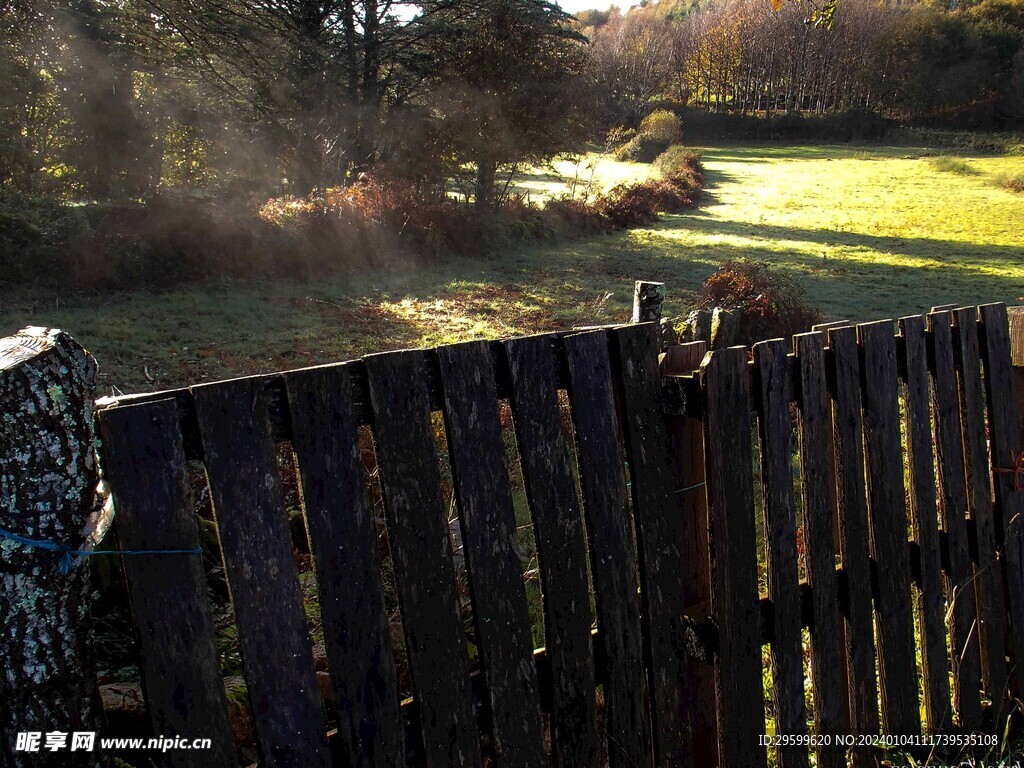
x,y
909,61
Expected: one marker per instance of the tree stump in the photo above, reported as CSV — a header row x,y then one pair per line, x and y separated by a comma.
x,y
647,300
48,477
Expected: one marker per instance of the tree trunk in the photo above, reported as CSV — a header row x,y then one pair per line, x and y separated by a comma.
x,y
48,478
486,170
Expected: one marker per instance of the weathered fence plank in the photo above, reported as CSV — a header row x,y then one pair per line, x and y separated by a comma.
x,y
1006,457
422,555
847,430
924,524
148,476
558,525
488,520
343,541
961,614
686,435
772,398
834,483
819,543
894,623
256,546
659,536
987,577
735,599
616,585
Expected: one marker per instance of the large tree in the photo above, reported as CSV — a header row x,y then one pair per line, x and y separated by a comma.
x,y
506,79
315,75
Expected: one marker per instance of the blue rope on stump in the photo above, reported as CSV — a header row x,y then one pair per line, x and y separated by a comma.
x,y
68,554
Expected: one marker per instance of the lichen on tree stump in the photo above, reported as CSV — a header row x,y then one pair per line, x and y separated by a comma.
x,y
48,477
647,300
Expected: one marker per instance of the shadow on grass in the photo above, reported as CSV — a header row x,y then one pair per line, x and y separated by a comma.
x,y
959,255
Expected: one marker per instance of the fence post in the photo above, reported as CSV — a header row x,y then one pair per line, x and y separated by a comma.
x,y
48,478
1017,360
647,300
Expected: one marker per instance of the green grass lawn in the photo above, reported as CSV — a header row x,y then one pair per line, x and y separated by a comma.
x,y
868,232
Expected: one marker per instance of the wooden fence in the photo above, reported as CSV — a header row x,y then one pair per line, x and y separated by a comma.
x,y
862,484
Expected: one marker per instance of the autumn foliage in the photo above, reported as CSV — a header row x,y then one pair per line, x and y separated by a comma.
x,y
378,221
770,305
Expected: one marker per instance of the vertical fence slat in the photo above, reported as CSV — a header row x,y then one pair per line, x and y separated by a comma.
x,y
962,611
1005,451
422,554
834,483
771,367
921,466
847,430
558,525
987,581
887,504
276,650
819,543
606,508
488,520
659,535
144,463
735,599
343,540
687,438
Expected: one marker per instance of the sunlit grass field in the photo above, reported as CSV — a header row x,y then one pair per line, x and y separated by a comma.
x,y
868,232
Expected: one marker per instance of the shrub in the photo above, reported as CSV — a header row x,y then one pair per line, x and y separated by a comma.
x,y
177,237
678,162
1014,183
629,206
769,304
953,165
642,148
662,125
376,217
571,215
